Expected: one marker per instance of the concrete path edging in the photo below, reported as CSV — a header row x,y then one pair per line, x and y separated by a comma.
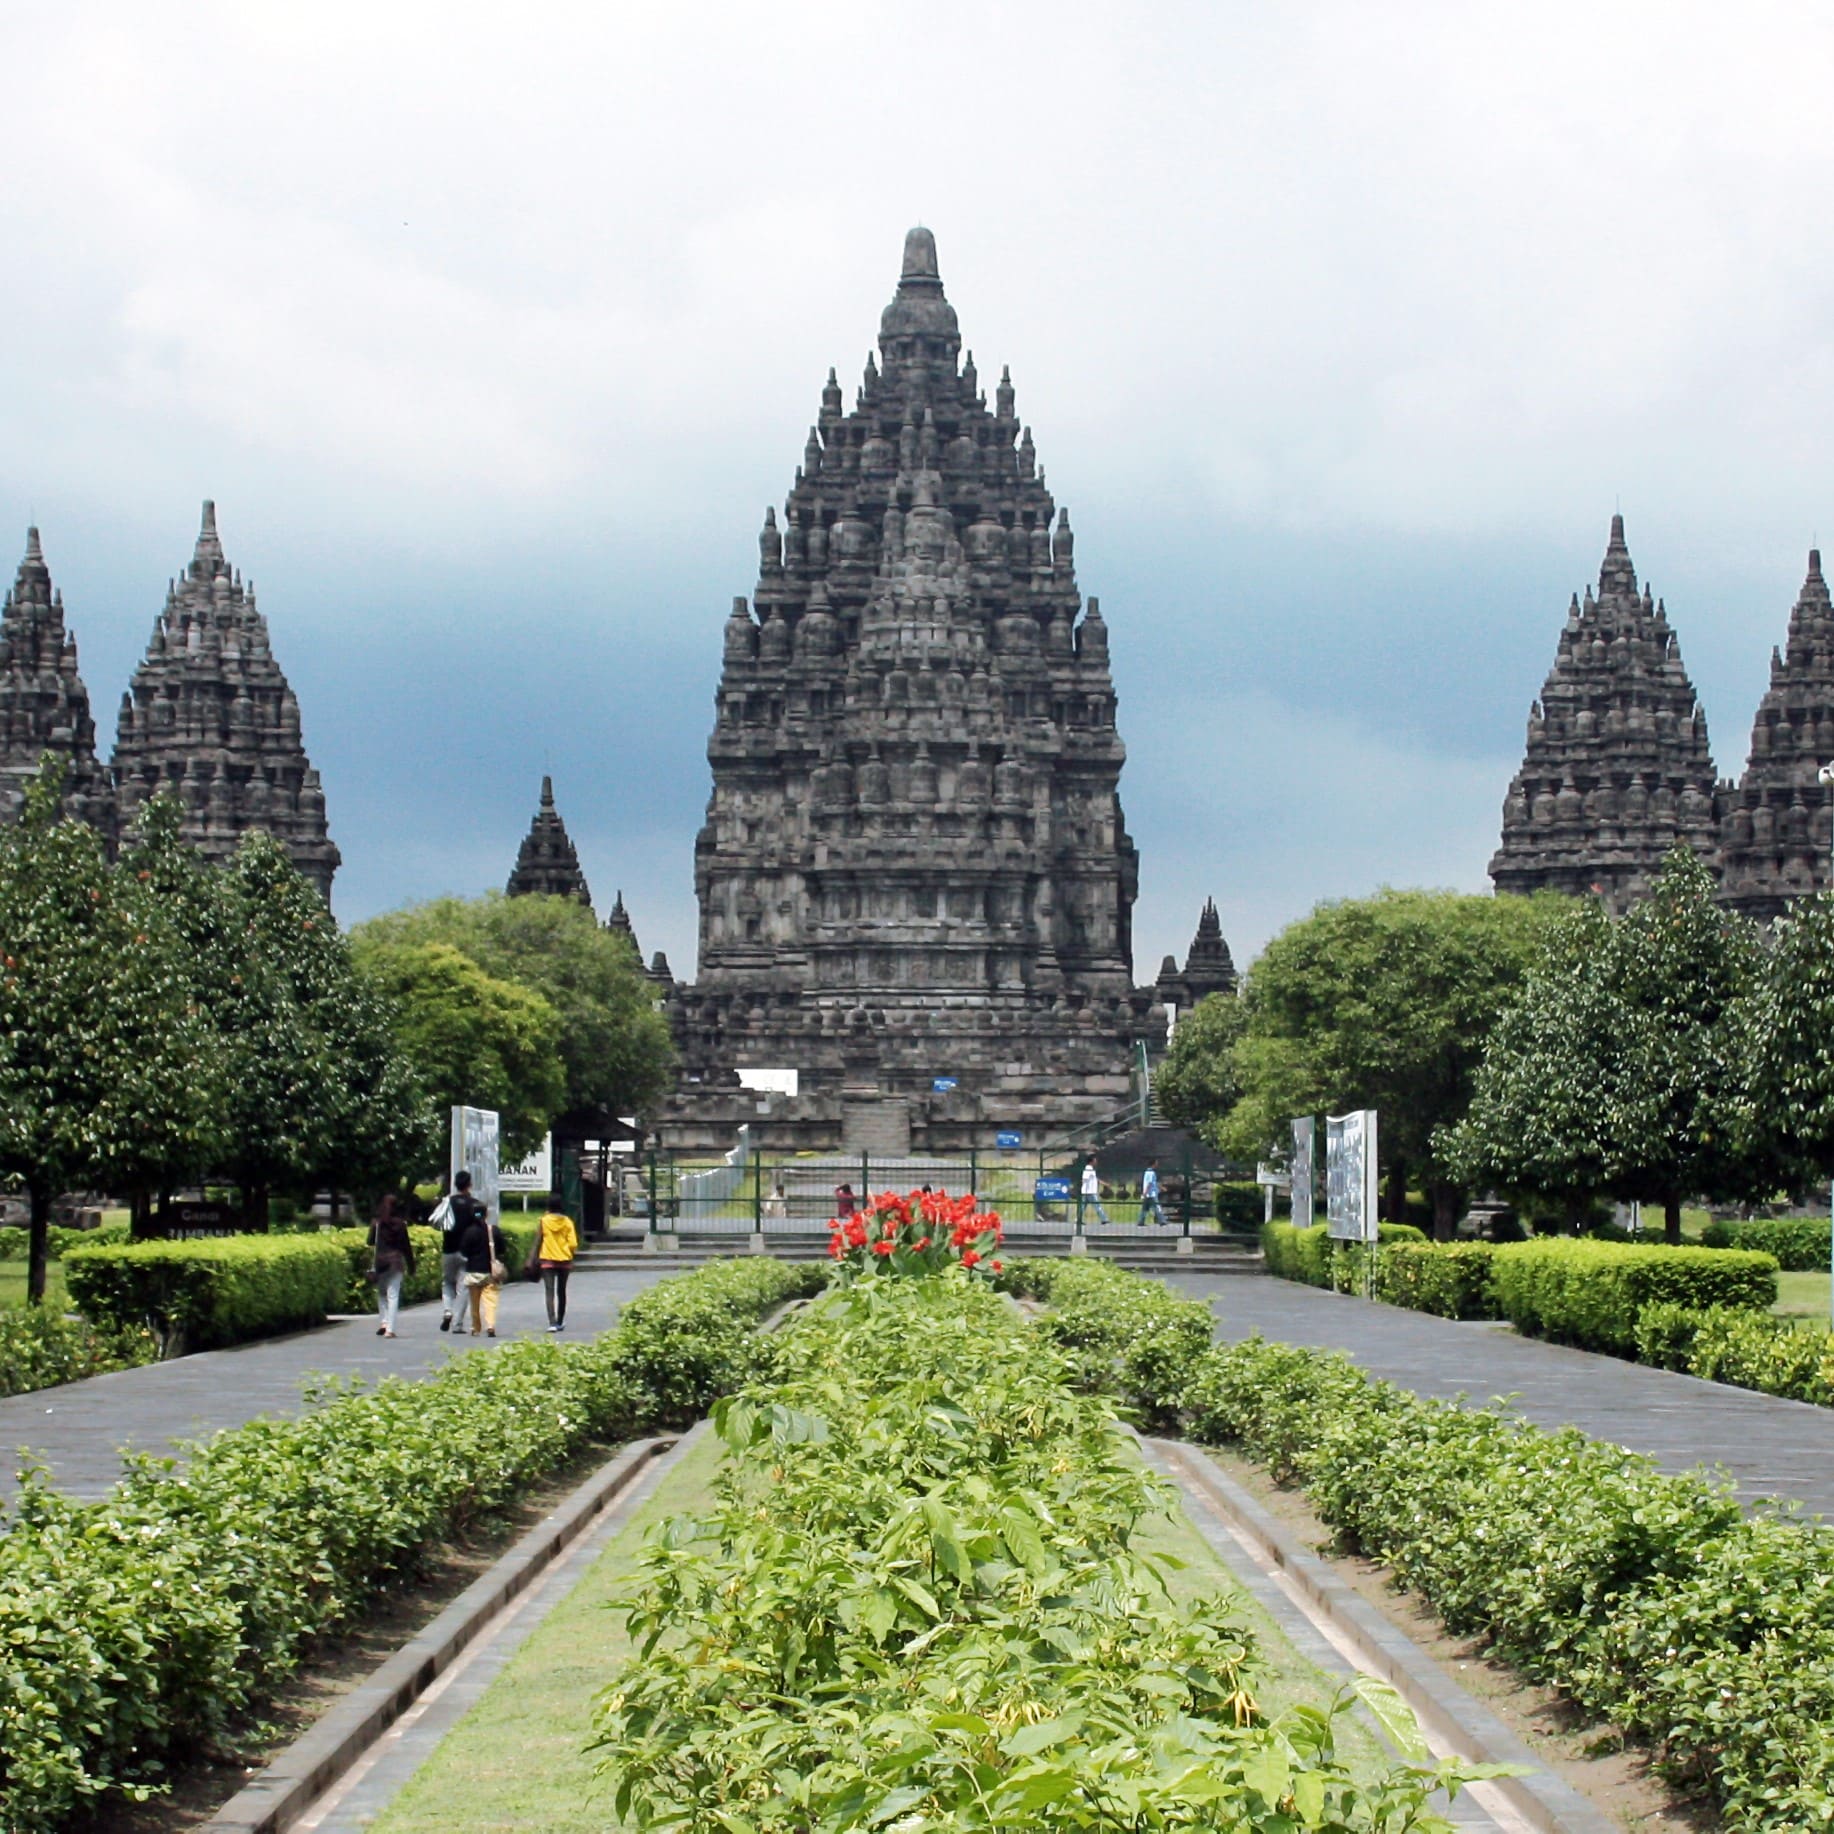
x,y
285,1789
1449,1716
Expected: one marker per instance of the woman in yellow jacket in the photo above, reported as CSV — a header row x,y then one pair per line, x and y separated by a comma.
x,y
555,1249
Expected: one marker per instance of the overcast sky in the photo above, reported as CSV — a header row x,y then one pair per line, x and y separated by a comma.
x,y
1342,330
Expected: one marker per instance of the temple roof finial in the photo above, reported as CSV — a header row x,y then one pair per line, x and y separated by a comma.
x,y
920,258
32,550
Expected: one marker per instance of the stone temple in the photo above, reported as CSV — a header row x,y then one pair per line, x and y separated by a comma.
x,y
44,706
1773,826
211,716
1618,767
547,863
914,870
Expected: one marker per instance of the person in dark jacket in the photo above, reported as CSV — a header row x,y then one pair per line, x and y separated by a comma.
x,y
393,1248
486,1253
454,1216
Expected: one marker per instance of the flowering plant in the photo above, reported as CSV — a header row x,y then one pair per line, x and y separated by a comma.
x,y
918,1234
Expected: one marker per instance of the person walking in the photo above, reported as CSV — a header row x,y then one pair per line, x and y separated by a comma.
x,y
455,1215
555,1248
393,1250
485,1253
843,1201
1092,1192
1149,1193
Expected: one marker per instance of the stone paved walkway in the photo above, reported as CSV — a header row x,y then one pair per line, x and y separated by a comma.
x,y
1770,1447
78,1431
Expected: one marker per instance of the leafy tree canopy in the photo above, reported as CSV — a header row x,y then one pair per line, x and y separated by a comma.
x,y
1198,1084
614,1041
471,1038
1382,1003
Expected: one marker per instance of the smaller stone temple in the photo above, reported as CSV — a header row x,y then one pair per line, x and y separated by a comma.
x,y
1617,768
1774,822
546,863
210,716
44,706
1208,966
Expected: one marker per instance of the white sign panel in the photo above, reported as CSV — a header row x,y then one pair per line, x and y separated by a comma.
x,y
535,1173
474,1150
1350,1175
1303,1199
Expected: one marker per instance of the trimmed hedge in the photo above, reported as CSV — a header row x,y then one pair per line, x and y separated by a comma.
x,y
1590,1293
204,1294
1448,1279
40,1348
16,1243
1310,1256
146,1624
1800,1243
1745,1349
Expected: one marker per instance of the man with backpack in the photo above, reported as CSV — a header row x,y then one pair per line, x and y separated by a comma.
x,y
454,1216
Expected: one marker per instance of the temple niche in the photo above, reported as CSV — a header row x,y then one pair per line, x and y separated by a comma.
x,y
1617,768
914,864
210,716
44,706
546,863
1773,824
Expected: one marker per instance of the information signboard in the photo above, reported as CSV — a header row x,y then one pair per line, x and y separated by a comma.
x,y
535,1173
1351,1207
1050,1190
1304,1199
1008,1139
941,1085
474,1150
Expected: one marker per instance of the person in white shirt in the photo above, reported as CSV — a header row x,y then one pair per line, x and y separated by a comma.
x,y
1092,1193
1149,1194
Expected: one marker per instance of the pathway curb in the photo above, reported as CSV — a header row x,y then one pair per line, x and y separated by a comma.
x,y
280,1793
1455,1718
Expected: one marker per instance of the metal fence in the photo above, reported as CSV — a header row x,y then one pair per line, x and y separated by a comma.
x,y
1035,1192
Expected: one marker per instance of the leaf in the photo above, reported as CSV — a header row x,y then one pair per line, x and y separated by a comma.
x,y
1040,1737
1396,1717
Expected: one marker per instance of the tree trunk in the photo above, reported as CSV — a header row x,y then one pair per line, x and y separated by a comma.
x,y
39,1234
1445,1211
1576,1214
141,1225
254,1208
1671,1221
1397,1191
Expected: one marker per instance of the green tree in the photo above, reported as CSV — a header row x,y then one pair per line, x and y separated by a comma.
x,y
1789,1044
471,1037
1624,1071
614,1039
1383,1003
107,1068
1197,1084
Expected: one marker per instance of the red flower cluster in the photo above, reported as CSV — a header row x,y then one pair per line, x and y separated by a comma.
x,y
916,1234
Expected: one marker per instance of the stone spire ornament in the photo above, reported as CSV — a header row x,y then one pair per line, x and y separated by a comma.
x,y
1773,828
619,920
210,716
1208,966
44,706
914,846
546,863
1617,768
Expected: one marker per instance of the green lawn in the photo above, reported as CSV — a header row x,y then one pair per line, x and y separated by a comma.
x,y
517,1759
1803,1297
12,1284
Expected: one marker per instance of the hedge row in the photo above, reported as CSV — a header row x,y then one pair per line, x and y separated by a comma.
x,y
1745,1349
145,1624
1311,1256
1590,1293
15,1242
40,1348
1800,1243
1652,1600
204,1294
917,1602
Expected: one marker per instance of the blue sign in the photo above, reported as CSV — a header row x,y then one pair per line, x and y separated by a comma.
x,y
1051,1190
942,1084
1006,1139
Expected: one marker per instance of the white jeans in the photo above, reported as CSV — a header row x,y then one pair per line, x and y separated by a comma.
x,y
388,1296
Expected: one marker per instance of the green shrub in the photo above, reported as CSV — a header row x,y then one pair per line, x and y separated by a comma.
x,y
15,1242
915,1602
40,1348
1649,1598
202,1295
1448,1279
1311,1257
145,1624
1239,1205
1590,1293
1755,1350
1666,1334
1800,1243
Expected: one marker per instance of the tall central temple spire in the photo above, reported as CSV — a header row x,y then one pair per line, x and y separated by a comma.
x,y
914,860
